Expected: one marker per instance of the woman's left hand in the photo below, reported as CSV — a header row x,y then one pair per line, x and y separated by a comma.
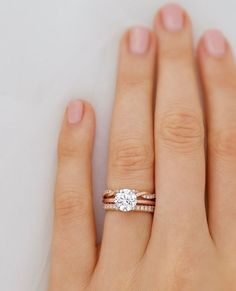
x,y
185,245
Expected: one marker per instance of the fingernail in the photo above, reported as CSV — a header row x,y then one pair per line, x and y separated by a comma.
x,y
75,111
139,40
215,43
172,17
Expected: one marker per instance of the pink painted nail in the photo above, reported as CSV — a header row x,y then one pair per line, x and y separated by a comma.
x,y
215,43
75,111
172,17
139,40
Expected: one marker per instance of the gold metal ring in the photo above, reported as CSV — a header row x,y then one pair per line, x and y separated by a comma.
x,y
126,200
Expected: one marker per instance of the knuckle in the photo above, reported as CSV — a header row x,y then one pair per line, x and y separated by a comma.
x,y
67,149
131,155
181,131
67,153
72,145
223,142
135,84
176,54
69,206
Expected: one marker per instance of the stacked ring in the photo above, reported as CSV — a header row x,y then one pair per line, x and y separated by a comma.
x,y
129,200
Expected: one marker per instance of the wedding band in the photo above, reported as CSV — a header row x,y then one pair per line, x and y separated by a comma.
x,y
129,200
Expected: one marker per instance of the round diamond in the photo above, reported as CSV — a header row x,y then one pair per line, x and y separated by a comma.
x,y
125,200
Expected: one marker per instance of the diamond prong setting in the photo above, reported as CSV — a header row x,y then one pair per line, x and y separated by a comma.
x,y
125,200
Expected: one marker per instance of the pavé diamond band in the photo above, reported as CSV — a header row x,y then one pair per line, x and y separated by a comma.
x,y
129,200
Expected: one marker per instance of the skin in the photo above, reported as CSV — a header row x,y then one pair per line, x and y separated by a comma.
x,y
190,241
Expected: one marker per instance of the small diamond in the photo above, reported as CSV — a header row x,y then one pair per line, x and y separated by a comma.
x,y
125,200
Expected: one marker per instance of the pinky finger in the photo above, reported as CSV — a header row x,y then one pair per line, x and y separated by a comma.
x,y
74,241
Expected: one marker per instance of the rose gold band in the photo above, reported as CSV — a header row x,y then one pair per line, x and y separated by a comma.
x,y
110,193
141,208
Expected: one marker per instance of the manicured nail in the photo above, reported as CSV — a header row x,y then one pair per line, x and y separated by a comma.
x,y
75,111
139,40
172,17
215,43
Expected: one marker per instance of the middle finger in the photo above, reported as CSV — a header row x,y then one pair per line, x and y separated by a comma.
x,y
180,159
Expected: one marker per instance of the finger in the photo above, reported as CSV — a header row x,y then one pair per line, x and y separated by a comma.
x,y
179,130
74,242
131,155
218,73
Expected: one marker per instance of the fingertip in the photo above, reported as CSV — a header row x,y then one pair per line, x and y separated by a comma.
x,y
77,131
172,18
75,111
138,42
79,116
213,44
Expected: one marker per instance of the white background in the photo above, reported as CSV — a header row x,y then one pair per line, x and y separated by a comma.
x,y
51,51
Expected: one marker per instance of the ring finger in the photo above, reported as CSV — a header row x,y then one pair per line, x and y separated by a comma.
x,y
131,154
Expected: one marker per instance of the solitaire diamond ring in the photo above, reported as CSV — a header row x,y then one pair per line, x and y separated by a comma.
x,y
126,200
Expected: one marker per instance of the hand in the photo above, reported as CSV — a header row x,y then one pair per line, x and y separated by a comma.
x,y
187,244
